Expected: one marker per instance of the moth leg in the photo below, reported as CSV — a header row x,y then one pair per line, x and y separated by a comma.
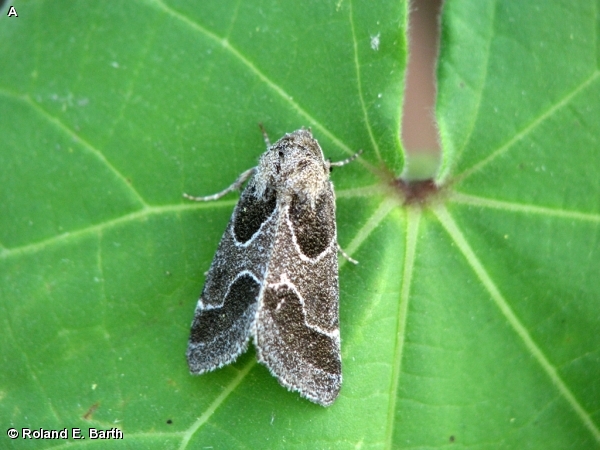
x,y
234,187
346,255
345,161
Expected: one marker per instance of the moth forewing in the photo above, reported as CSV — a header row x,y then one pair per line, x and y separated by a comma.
x,y
275,275
227,306
297,329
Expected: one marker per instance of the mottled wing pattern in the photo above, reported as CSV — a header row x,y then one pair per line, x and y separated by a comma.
x,y
297,327
226,310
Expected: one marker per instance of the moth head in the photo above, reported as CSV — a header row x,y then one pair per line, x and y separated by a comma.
x,y
295,165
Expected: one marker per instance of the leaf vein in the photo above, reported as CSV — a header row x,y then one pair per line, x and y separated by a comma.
x,y
141,214
524,208
375,219
216,404
413,217
76,138
359,85
527,129
479,90
536,352
260,75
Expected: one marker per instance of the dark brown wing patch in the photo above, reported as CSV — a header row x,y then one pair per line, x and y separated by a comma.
x,y
252,212
221,334
314,228
301,357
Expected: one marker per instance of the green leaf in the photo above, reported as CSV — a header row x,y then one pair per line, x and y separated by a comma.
x,y
472,317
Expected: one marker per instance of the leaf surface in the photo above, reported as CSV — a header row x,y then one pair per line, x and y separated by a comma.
x,y
471,319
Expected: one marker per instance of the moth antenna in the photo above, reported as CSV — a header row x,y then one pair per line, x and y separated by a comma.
x,y
346,255
265,135
235,186
345,161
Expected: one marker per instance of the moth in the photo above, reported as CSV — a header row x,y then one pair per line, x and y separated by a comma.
x,y
274,276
